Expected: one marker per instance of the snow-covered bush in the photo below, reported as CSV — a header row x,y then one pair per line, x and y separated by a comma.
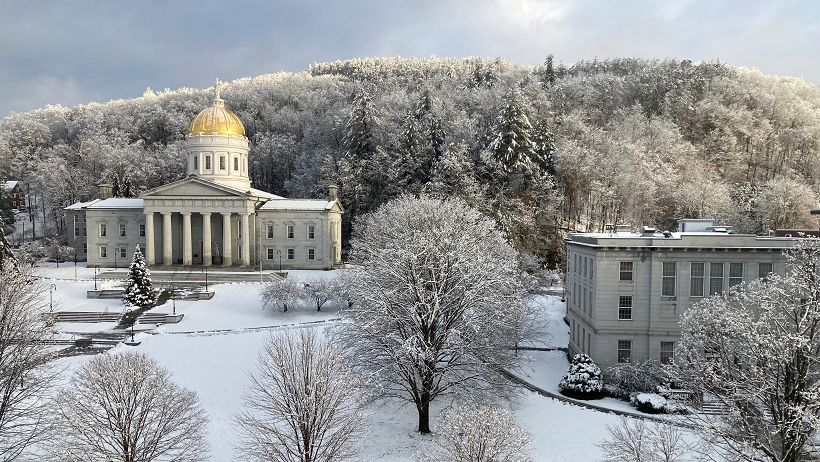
x,y
481,434
642,376
650,403
583,378
534,278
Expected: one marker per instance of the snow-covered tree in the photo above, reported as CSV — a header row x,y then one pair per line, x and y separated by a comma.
x,y
639,376
438,302
282,294
479,434
359,128
511,143
583,378
138,289
755,351
321,290
26,373
304,403
126,407
636,440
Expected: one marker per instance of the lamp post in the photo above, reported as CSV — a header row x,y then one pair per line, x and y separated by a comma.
x,y
116,251
96,268
51,290
205,269
279,252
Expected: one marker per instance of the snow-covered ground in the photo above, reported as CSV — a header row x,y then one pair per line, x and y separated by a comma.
x,y
215,346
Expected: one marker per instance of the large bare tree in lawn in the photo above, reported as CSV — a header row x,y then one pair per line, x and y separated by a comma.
x,y
438,303
304,403
26,374
125,407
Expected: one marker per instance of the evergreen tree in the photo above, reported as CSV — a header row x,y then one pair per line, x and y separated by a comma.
x,y
115,186
549,72
359,128
511,144
544,149
138,290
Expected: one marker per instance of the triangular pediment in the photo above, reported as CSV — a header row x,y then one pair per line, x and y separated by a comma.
x,y
193,186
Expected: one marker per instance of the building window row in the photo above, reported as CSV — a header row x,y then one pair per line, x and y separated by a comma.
x,y
291,254
290,231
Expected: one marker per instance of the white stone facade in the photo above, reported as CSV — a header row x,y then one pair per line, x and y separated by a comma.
x,y
213,216
625,292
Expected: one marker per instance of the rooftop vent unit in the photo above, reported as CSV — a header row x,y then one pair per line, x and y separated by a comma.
x,y
648,231
719,229
695,225
667,234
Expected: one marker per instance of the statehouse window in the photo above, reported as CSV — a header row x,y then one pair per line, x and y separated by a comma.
x,y
735,274
715,278
207,162
236,164
311,233
668,280
764,270
270,231
103,251
311,254
291,254
222,162
122,230
667,352
696,273
103,230
270,254
625,307
290,231
142,230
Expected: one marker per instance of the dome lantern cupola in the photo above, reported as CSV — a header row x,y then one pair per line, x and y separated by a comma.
x,y
217,146
217,120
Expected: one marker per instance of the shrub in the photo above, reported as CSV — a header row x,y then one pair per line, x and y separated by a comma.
x,y
641,377
583,379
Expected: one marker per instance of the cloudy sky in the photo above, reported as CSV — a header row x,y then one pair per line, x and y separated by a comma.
x,y
68,53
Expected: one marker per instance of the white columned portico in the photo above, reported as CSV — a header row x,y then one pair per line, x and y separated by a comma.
x,y
246,254
206,239
226,239
167,253
187,247
150,254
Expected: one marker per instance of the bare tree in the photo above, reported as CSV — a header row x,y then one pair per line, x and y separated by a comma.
x,y
26,374
321,290
756,351
635,440
303,404
125,407
480,434
282,294
438,303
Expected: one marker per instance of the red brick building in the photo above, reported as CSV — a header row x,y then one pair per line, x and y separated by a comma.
x,y
14,195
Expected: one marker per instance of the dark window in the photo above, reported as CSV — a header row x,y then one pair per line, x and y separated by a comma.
x,y
142,230
311,254
270,254
696,272
668,283
270,231
207,162
735,274
291,254
624,351
667,352
715,278
311,233
290,231
764,270
626,271
625,307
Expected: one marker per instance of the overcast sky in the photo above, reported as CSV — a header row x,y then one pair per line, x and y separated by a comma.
x,y
74,52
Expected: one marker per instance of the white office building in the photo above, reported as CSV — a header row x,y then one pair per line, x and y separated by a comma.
x,y
625,291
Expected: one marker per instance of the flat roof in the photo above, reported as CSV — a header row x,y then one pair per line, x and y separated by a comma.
x,y
684,240
316,205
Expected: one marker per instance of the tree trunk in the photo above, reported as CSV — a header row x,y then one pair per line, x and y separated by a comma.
x,y
424,414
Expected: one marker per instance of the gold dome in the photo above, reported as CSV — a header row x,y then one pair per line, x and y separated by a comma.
x,y
217,120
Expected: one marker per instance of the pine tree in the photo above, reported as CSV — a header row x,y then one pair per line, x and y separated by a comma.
x,y
138,291
549,72
359,128
511,144
544,149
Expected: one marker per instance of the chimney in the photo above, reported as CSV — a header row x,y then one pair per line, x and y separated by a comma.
x,y
331,193
83,197
105,190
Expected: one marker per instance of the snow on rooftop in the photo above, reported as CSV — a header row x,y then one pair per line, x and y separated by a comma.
x,y
267,195
299,204
117,203
9,185
80,205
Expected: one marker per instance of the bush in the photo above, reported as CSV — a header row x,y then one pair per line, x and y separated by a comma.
x,y
640,377
653,403
583,379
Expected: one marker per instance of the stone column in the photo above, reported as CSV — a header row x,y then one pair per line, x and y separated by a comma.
x,y
226,239
187,248
246,232
150,254
206,239
167,252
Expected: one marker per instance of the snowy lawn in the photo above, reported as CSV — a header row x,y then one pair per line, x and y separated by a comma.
x,y
215,365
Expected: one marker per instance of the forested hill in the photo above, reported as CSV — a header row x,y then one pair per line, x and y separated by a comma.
x,y
542,149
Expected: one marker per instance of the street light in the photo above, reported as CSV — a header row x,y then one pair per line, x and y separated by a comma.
x,y
96,268
116,251
279,252
51,290
205,269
